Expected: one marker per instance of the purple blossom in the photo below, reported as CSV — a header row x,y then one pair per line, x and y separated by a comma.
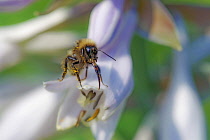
x,y
111,27
181,110
112,32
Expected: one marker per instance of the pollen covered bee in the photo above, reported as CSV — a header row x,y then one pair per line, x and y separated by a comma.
x,y
80,57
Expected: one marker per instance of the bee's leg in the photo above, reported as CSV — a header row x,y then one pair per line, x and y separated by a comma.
x,y
78,78
75,70
86,72
65,68
98,72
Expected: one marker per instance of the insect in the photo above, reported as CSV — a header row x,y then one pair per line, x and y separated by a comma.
x,y
80,57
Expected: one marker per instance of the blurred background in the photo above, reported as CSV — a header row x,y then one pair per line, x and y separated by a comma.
x,y
37,59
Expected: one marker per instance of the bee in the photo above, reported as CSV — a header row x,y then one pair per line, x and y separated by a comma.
x,y
80,57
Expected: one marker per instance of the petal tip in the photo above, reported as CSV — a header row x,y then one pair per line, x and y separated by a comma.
x,y
62,128
59,128
65,123
177,47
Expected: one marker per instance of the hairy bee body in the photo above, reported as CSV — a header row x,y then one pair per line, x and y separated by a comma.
x,y
83,54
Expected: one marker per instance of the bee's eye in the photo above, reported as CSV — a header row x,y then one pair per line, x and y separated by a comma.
x,y
94,51
88,51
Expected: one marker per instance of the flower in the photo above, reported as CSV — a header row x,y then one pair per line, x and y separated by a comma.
x,y
181,110
111,28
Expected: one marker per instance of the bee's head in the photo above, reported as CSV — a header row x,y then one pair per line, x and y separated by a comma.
x,y
91,52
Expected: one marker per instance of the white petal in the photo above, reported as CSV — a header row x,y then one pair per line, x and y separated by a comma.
x,y
61,87
9,54
30,117
104,129
182,112
69,110
103,22
58,40
9,95
28,29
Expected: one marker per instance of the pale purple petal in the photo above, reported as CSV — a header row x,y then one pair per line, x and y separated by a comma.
x,y
146,130
125,31
181,115
30,117
121,78
13,5
104,130
104,21
120,82
181,110
116,74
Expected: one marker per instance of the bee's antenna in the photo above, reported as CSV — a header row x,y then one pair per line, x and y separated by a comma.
x,y
107,55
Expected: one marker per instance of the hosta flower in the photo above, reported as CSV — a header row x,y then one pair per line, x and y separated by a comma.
x,y
111,28
181,115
